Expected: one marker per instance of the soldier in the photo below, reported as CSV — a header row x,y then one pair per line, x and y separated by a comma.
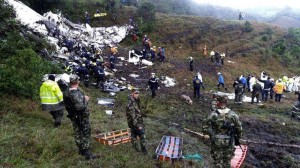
x,y
256,89
76,104
153,84
296,107
224,129
52,99
135,121
238,91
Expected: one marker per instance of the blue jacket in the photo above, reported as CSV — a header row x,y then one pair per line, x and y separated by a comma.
x,y
221,79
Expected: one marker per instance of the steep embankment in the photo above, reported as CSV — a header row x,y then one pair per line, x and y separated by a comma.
x,y
28,139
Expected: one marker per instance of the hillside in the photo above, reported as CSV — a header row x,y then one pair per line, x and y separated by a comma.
x,y
286,22
28,139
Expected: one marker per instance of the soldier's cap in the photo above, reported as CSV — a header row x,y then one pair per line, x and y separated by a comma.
x,y
135,91
152,73
219,73
222,99
74,78
83,65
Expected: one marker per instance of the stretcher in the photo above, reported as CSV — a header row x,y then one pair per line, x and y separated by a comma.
x,y
170,148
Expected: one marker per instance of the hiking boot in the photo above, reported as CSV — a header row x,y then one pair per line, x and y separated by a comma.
x,y
144,150
57,124
88,155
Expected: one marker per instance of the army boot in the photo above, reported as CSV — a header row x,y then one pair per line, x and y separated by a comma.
x,y
88,155
134,145
144,150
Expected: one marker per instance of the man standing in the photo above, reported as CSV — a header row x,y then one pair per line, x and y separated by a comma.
x,y
135,121
225,130
153,84
221,81
256,89
278,89
52,99
238,91
196,83
76,104
191,63
296,107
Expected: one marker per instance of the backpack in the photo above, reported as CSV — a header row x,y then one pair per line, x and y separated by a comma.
x,y
239,89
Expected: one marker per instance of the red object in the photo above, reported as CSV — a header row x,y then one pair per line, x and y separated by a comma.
x,y
239,156
170,148
134,37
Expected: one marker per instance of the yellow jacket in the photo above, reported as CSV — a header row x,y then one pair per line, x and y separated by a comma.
x,y
278,88
51,96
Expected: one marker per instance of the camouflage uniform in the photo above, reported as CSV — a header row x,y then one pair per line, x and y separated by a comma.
x,y
78,113
135,121
220,125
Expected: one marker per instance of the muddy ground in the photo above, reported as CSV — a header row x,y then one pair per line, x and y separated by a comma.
x,y
268,123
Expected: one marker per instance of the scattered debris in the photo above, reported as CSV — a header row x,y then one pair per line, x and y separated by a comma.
x,y
187,99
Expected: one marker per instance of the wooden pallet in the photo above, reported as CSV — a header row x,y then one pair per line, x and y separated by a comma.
x,y
114,137
239,156
170,148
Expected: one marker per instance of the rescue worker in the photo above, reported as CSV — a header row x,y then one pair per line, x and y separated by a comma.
x,y
212,56
238,91
77,106
135,121
52,99
196,83
191,63
272,84
296,107
256,89
204,51
100,76
218,58
224,129
221,81
278,89
153,84
266,90
112,60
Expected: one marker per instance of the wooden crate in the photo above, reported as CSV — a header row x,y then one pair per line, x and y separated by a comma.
x,y
114,137
170,148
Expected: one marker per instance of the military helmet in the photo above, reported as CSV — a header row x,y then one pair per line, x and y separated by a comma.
x,y
74,78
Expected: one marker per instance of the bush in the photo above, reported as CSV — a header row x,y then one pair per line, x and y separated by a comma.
x,y
21,74
264,38
248,27
280,47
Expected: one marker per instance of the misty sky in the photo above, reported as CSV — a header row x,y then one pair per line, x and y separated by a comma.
x,y
243,4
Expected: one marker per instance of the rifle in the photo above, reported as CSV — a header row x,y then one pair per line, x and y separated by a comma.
x,y
232,133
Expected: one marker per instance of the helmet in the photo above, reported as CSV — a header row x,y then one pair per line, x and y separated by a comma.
x,y
74,78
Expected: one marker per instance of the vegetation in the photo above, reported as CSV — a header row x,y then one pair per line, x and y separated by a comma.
x,y
21,68
28,138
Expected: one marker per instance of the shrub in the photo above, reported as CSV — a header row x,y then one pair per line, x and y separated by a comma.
x,y
21,74
280,47
264,38
248,27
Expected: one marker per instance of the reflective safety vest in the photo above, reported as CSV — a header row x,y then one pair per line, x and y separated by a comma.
x,y
51,96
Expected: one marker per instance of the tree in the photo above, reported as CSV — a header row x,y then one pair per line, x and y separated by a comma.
x,y
147,11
